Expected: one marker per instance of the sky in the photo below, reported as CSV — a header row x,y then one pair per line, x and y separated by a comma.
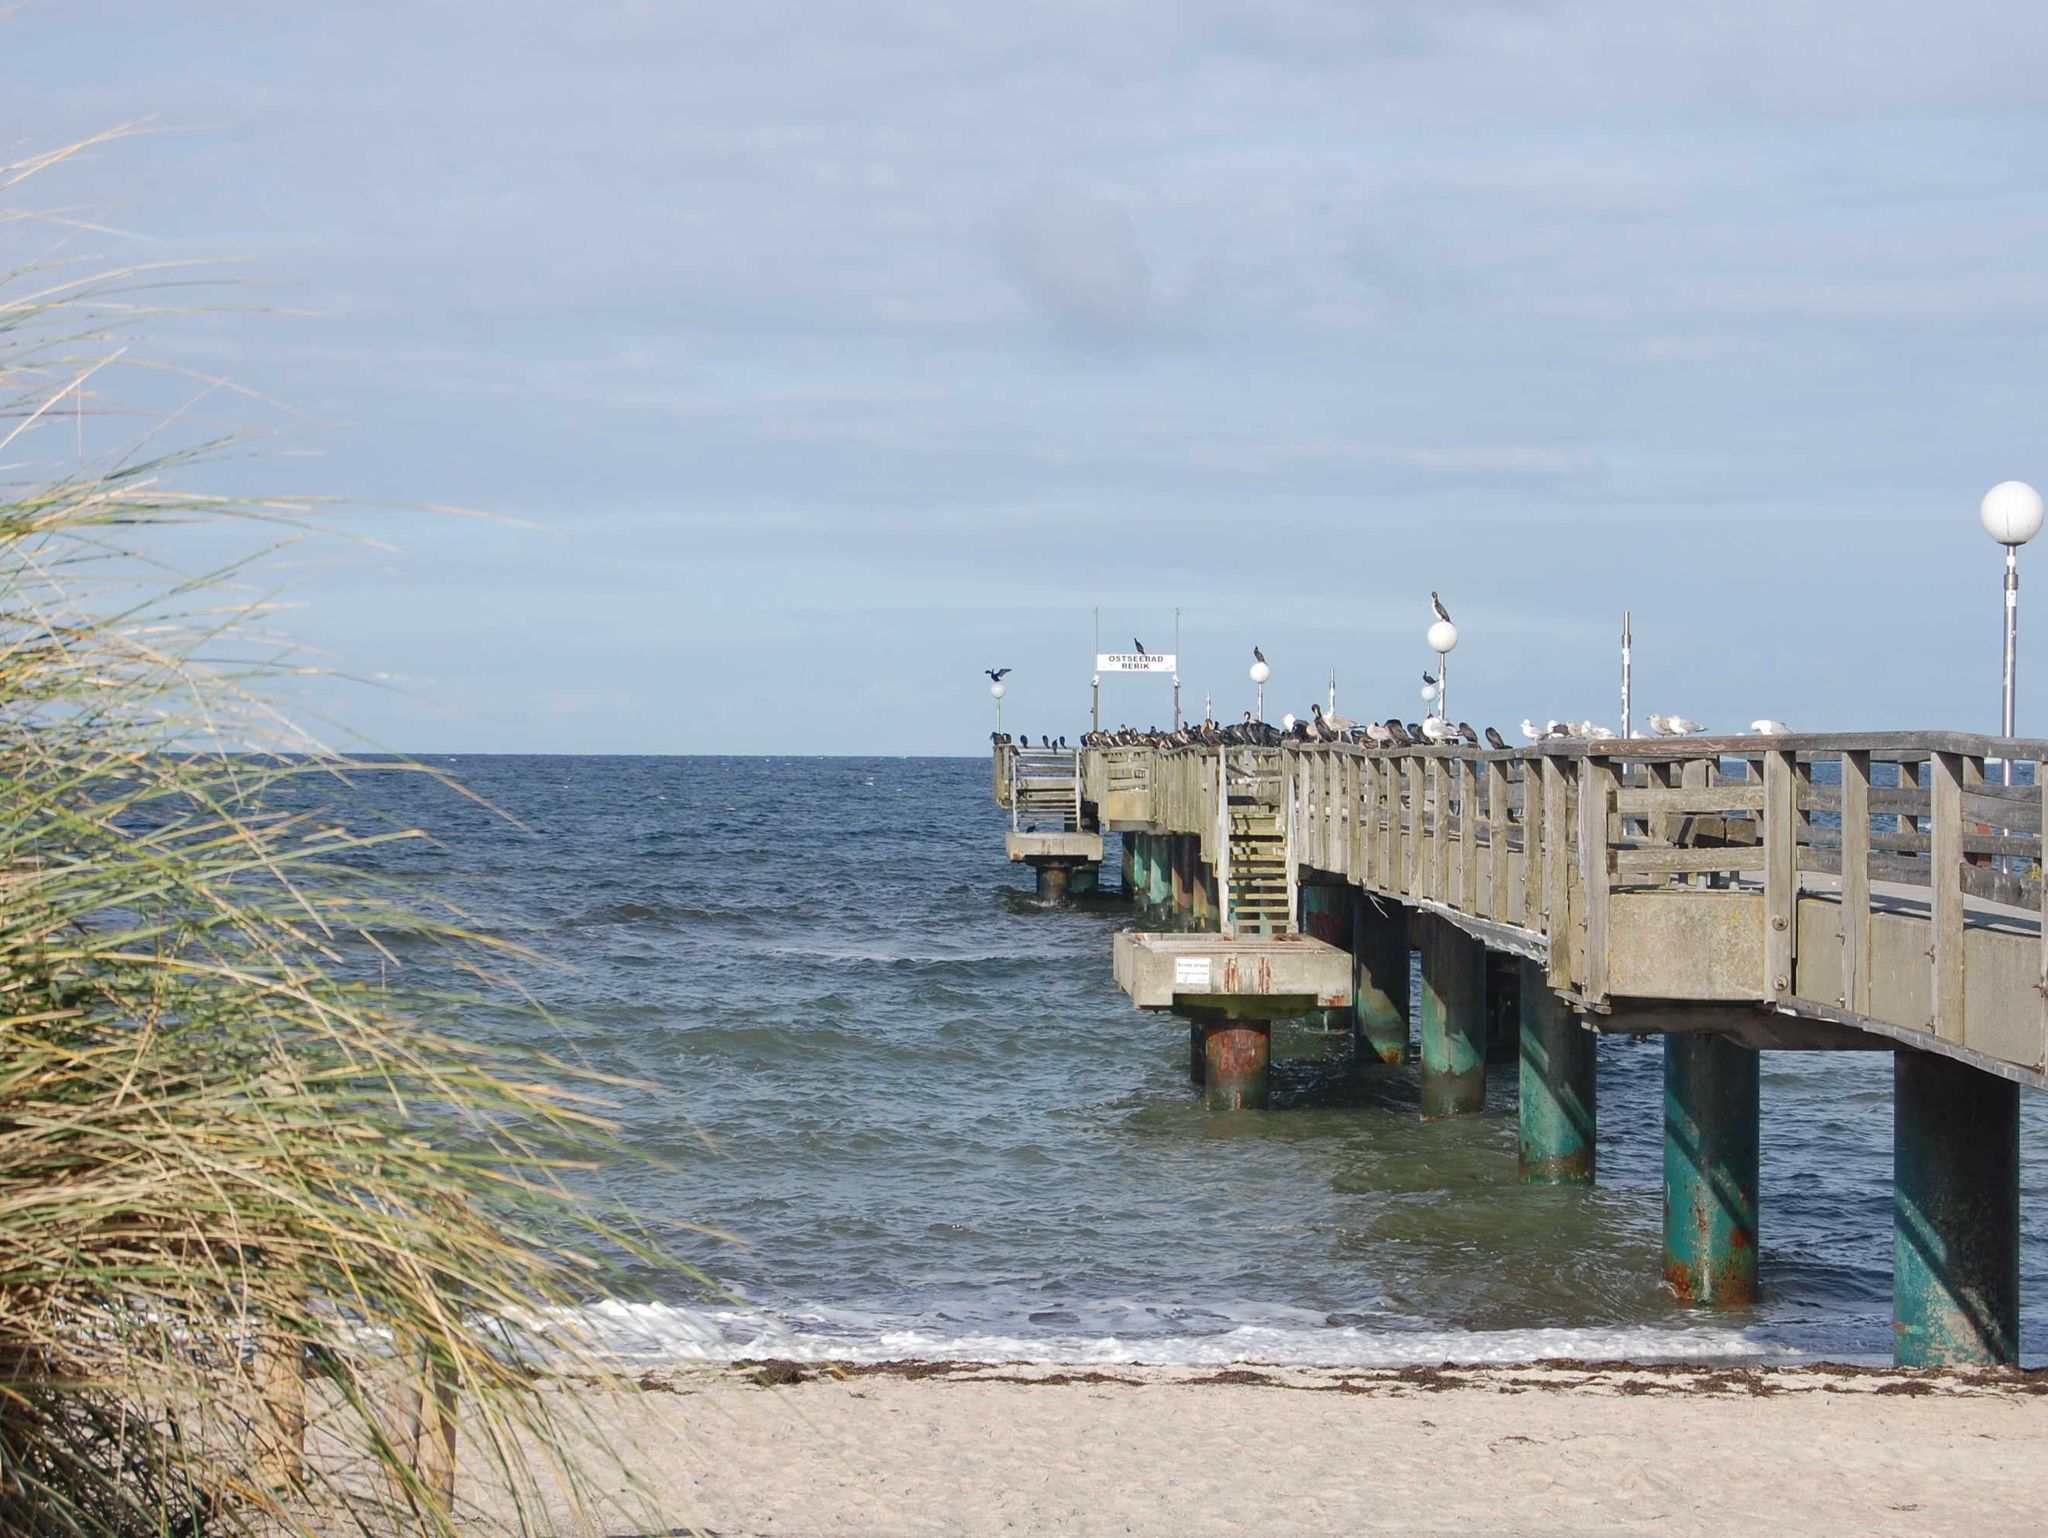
x,y
804,360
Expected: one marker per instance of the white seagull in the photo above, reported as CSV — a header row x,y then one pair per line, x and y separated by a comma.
x,y
1674,726
1532,731
1434,729
1769,728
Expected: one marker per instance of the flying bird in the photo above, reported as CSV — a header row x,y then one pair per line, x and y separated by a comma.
x,y
996,675
1437,604
1141,647
1257,655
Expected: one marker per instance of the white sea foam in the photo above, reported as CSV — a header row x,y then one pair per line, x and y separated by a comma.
x,y
642,1334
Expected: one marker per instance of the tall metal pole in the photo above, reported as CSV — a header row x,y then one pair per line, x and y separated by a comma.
x,y
1095,682
2012,634
1332,706
1627,653
1443,686
1176,669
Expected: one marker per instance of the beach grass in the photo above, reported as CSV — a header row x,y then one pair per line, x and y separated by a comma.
x,y
264,1215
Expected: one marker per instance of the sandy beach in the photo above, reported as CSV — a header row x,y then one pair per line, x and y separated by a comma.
x,y
778,1450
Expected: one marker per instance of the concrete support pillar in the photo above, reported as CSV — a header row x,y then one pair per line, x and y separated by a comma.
x,y
1453,1021
1053,877
1086,879
1158,872
1955,1214
1326,916
1182,872
1130,866
1379,950
1710,1169
1559,1115
1234,1058
1205,893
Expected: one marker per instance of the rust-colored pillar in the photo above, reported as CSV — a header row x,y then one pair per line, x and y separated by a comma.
x,y
1235,1054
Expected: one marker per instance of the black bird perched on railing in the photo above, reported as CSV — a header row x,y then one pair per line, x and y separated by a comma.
x,y
1140,645
1399,733
1416,733
996,675
1494,739
1437,604
1465,731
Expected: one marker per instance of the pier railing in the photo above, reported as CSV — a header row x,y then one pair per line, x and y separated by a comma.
x,y
1884,882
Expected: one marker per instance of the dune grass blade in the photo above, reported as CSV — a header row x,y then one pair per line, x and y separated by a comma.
x,y
262,1211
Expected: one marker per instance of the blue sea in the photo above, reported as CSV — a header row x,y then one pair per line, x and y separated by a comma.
x,y
898,1109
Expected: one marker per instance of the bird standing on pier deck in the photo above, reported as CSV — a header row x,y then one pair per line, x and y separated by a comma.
x,y
1442,613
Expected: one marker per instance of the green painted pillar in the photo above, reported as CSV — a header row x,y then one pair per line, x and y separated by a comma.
x,y
1453,1021
1130,866
1205,893
1158,872
1235,1054
1558,1113
1326,916
1183,880
1710,1169
1380,970
1955,1214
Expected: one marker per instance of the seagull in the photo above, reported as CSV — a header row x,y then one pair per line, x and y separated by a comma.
x,y
996,675
1437,604
1600,733
1379,734
1495,741
1769,728
1558,729
1141,647
1257,655
1436,729
1677,726
1532,731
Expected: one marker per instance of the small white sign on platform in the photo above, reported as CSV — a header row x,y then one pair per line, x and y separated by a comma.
x,y
1137,662
1191,972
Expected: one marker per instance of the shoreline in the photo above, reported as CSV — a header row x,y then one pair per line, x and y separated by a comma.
x,y
776,1448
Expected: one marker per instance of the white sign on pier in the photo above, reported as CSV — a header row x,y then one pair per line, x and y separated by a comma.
x,y
1136,662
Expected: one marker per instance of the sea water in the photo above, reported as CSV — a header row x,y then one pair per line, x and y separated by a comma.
x,y
896,1108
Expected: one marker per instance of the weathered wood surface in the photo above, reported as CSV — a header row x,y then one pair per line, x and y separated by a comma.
x,y
1779,870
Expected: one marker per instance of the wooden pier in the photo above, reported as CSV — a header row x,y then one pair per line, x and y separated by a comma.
x,y
1732,895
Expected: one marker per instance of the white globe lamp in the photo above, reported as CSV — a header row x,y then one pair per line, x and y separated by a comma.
x,y
1260,673
997,689
2011,512
1442,637
1443,640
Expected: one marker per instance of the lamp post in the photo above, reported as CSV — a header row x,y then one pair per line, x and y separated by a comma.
x,y
996,691
1443,640
1260,673
2011,514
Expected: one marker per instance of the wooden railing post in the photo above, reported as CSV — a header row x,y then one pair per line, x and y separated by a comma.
x,y
1557,875
1856,882
1781,875
1497,841
1596,804
1945,843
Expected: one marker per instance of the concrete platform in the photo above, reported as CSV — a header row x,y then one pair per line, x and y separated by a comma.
x,y
1053,846
1255,977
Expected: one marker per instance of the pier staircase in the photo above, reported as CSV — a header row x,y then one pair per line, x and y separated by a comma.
x,y
1258,896
1045,790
